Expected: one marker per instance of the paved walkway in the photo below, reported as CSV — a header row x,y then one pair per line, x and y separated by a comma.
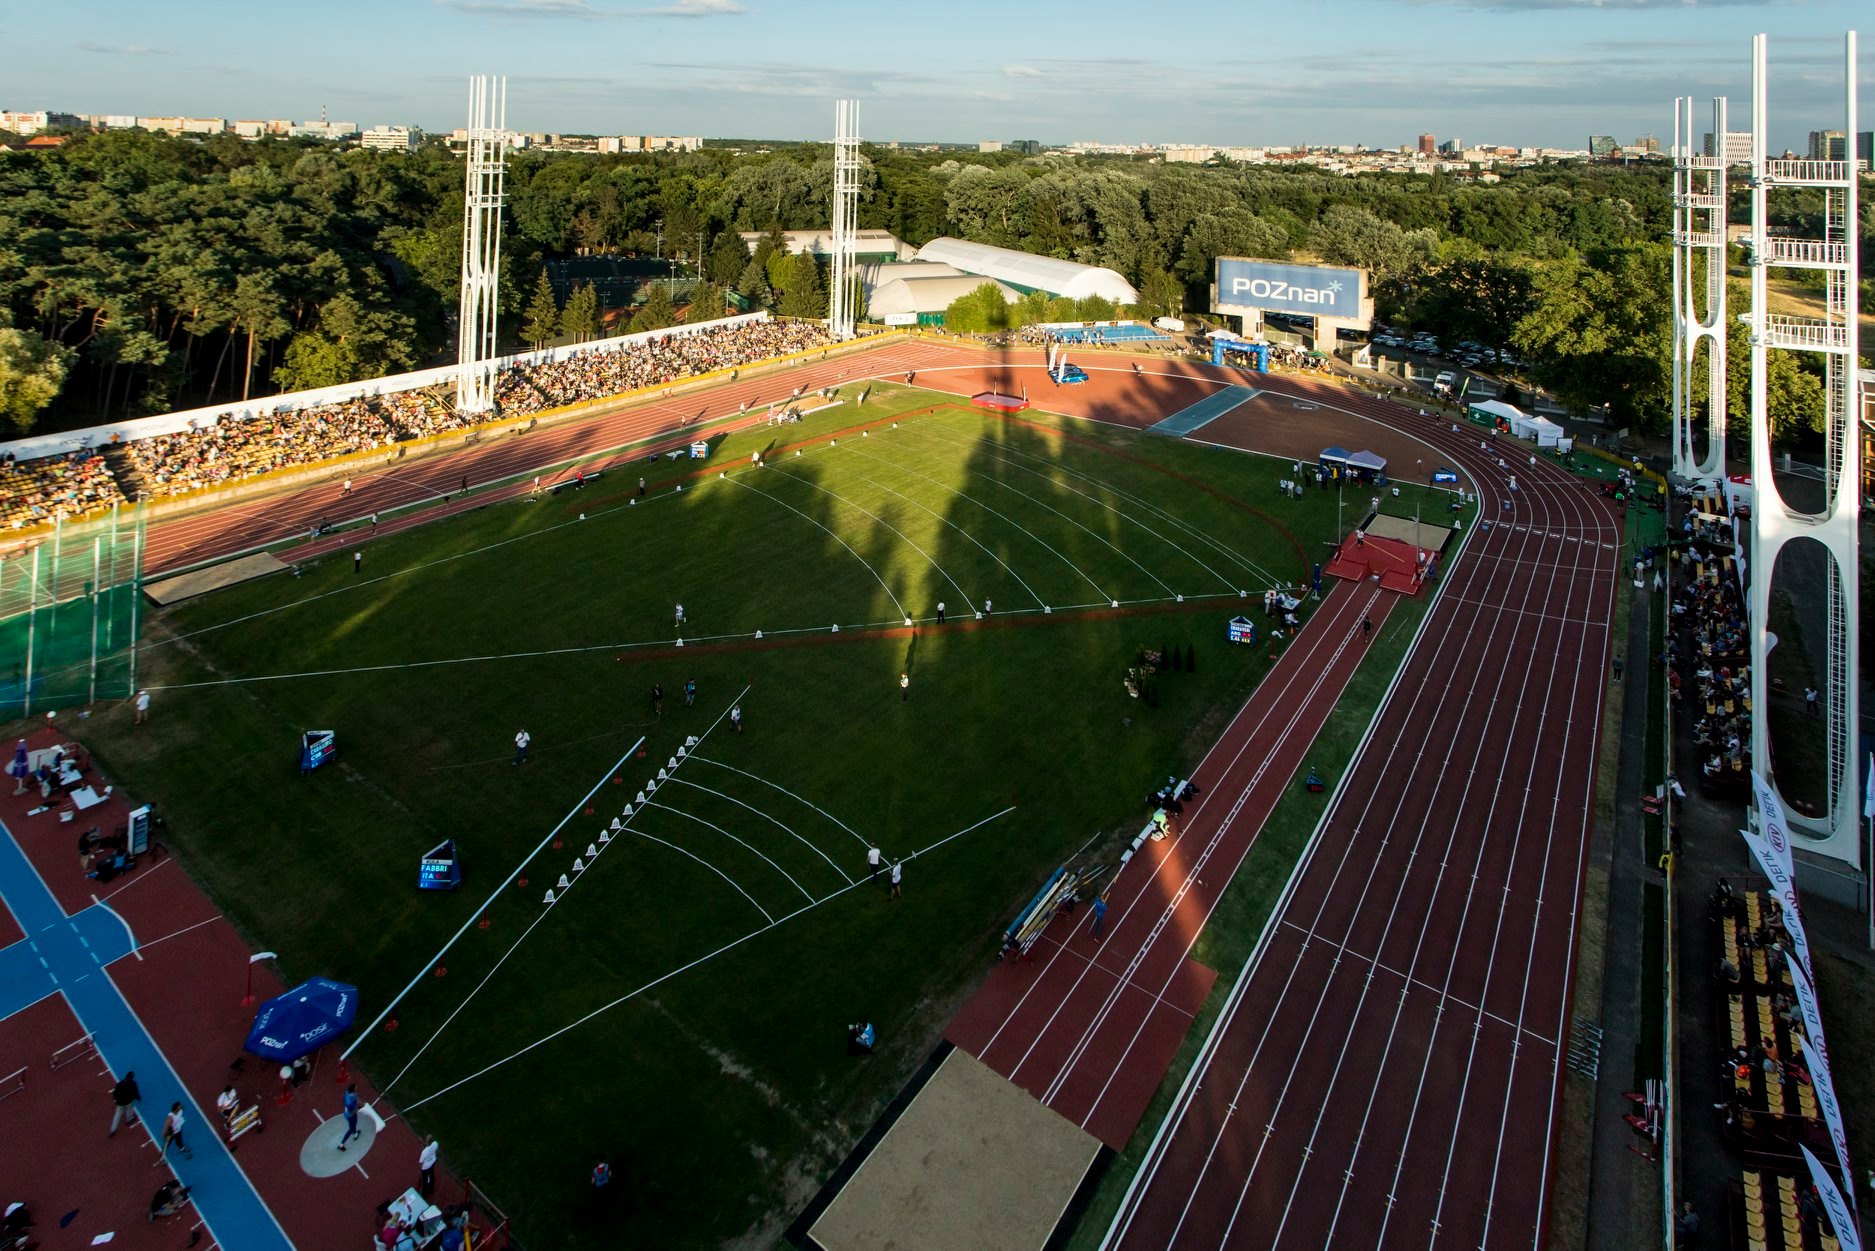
x,y
70,953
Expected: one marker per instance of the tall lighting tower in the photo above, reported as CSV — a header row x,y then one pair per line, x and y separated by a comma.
x,y
843,308
1825,245
1699,322
481,244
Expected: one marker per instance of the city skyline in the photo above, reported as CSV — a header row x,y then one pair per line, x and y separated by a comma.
x,y
1536,73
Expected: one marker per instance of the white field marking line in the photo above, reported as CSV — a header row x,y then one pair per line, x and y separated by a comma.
x,y
423,492
602,410
1460,822
1453,841
1094,534
947,521
132,882
1262,706
1123,516
808,843
1550,586
489,902
545,911
1563,1004
1158,998
1420,982
1583,656
395,573
1134,1198
1451,637
785,791
1557,579
929,558
703,959
1297,709
1581,624
737,481
805,893
1105,597
165,938
684,851
1248,565
134,946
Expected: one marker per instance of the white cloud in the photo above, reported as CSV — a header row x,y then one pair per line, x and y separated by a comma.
x,y
1022,71
134,49
581,10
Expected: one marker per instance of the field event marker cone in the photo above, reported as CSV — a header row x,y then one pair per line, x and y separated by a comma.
x,y
482,924
670,764
641,799
591,850
616,823
1114,604
523,883
680,642
1181,599
549,898
691,741
758,634
440,972
836,629
558,844
563,883
681,751
604,838
663,775
579,864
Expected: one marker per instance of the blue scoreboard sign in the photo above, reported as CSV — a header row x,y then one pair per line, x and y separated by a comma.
x,y
440,868
1308,290
1242,630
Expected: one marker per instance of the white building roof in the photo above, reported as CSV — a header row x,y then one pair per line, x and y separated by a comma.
x,y
1036,273
926,295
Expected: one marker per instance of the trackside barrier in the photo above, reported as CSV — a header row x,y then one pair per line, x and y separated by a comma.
x,y
13,1083
1669,1037
72,1052
492,1229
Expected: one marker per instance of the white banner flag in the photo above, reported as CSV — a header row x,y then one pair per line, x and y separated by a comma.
x,y
1868,791
1786,892
1841,1219
1821,1079
1771,820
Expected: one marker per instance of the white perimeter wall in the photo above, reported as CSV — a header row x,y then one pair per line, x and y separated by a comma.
x,y
266,406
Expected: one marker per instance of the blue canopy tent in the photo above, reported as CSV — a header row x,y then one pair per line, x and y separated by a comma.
x,y
302,1020
1334,457
1368,466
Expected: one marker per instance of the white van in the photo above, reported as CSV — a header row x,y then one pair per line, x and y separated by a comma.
x,y
1443,384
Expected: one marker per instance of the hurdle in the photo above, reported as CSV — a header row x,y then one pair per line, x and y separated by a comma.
x,y
13,1083
83,1049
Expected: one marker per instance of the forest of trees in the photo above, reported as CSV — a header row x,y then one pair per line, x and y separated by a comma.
x,y
140,273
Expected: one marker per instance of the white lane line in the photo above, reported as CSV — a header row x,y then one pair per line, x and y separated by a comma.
x,y
810,845
738,482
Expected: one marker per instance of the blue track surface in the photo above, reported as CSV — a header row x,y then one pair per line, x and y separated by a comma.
x,y
1205,411
68,954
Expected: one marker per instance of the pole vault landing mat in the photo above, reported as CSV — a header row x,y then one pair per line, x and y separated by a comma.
x,y
1195,417
1000,402
962,1159
1397,566
202,581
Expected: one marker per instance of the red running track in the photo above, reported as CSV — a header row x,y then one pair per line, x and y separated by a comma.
x,y
293,511
1090,1027
1387,1069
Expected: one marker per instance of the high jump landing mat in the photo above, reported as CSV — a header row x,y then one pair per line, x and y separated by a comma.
x,y
969,1160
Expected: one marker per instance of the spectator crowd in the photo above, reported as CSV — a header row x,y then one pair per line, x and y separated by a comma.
x,y
230,449
1709,652
49,488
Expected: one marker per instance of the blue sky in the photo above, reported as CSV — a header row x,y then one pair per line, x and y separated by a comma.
x,y
1252,72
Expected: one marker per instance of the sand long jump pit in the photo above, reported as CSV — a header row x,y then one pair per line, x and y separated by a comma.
x,y
972,1161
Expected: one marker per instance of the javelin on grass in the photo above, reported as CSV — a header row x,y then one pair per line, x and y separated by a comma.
x,y
496,894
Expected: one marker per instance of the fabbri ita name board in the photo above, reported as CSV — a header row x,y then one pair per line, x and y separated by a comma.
x,y
1310,290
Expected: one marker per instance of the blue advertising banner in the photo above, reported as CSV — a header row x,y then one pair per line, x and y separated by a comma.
x,y
1311,290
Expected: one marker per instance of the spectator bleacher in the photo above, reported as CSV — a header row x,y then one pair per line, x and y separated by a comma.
x,y
41,491
229,448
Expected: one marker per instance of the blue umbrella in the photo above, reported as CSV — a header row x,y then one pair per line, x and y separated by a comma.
x,y
302,1020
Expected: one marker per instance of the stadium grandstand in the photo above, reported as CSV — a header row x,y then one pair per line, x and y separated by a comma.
x,y
47,480
1025,272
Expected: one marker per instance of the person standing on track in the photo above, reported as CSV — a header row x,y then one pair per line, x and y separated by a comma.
x,y
690,693
142,705
521,739
124,1096
680,614
358,562
347,490
897,888
350,1112
872,864
172,1133
904,687
940,619
426,1168
657,698
1367,626
1100,912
